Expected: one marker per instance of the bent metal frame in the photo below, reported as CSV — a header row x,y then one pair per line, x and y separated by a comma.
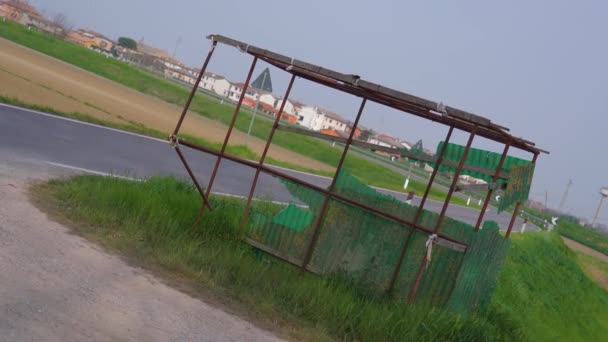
x,y
454,118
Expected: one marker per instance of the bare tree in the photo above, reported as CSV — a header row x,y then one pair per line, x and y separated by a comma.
x,y
61,21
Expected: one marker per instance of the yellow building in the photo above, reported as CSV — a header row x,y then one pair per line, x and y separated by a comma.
x,y
90,39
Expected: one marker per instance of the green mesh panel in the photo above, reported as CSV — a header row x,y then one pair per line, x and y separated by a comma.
x,y
293,217
476,157
365,247
480,270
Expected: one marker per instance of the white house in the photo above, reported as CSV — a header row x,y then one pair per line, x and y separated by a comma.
x,y
269,99
332,120
178,75
291,107
219,85
208,81
385,140
309,117
234,93
316,119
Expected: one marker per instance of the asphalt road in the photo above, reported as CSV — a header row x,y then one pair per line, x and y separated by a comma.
x,y
72,144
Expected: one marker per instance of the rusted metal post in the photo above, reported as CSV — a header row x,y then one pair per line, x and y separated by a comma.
x,y
319,220
195,88
230,127
444,209
263,157
175,143
490,191
391,283
517,205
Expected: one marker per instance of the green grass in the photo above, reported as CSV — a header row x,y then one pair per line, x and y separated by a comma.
x,y
543,291
586,236
152,223
148,83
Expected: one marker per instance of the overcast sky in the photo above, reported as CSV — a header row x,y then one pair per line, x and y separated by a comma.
x,y
538,67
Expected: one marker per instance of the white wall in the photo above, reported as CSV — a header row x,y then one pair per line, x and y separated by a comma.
x,y
221,87
234,93
327,122
269,99
378,142
289,107
310,117
207,82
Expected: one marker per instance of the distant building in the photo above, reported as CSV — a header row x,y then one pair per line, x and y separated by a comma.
x,y
90,39
16,10
385,140
292,107
208,82
25,14
269,110
156,52
221,86
236,89
358,130
270,99
334,133
179,75
334,121
316,119
406,144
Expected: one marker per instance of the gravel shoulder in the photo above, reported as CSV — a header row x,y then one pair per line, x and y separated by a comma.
x,y
55,286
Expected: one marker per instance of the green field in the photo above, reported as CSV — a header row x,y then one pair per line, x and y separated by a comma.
x,y
148,83
542,293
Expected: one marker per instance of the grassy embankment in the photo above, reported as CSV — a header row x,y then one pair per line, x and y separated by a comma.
x,y
145,82
586,236
542,293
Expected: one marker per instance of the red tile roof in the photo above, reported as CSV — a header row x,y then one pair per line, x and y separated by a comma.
x,y
22,6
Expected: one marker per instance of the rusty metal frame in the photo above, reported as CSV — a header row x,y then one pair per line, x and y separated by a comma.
x,y
516,209
319,220
444,209
454,118
274,172
263,157
420,209
486,201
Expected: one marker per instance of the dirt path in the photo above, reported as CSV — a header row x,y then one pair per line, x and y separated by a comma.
x,y
59,287
600,276
585,250
39,79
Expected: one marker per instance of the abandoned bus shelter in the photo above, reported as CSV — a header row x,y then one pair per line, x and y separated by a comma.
x,y
350,228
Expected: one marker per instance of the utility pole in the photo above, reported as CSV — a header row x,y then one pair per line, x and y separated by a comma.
x,y
546,198
563,201
179,41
